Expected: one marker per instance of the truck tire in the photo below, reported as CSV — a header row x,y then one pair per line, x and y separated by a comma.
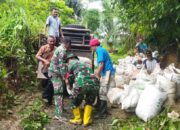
x,y
75,26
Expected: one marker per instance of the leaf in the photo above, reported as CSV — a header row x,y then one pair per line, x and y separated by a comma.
x,y
177,7
115,121
140,128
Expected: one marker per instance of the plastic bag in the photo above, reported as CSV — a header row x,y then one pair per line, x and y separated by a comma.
x,y
114,95
131,100
150,103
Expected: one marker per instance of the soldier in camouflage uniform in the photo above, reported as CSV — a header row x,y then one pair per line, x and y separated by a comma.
x,y
86,85
57,72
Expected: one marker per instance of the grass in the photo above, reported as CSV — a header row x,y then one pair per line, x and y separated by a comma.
x,y
160,122
121,53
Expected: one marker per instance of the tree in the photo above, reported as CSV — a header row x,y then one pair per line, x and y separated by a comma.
x,y
159,19
77,7
91,19
21,21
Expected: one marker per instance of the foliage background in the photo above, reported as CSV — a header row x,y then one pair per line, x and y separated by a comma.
x,y
21,22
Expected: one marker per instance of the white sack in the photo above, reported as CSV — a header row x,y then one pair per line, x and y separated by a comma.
x,y
176,79
86,60
120,70
169,87
131,99
121,80
150,103
172,74
165,84
114,95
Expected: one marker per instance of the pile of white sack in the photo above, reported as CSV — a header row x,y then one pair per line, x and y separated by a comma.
x,y
142,93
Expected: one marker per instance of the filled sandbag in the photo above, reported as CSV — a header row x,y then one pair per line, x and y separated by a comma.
x,y
150,103
120,70
173,75
114,95
131,99
176,79
86,60
40,75
121,80
169,87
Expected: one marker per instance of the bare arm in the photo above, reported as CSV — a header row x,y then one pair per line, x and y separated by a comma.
x,y
100,68
46,25
45,29
40,58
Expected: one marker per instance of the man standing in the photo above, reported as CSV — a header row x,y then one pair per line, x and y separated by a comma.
x,y
57,72
44,55
105,73
54,26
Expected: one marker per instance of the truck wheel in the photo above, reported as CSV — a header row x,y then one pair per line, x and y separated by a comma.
x,y
75,26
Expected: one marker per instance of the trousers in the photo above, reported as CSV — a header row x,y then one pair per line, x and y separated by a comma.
x,y
104,87
48,90
58,95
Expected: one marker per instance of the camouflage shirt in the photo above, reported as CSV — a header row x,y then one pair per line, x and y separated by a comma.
x,y
58,66
83,75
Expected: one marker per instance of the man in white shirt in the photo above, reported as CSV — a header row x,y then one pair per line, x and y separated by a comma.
x,y
150,63
54,26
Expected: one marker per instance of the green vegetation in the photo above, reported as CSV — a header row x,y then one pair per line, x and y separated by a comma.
x,y
160,122
158,20
121,53
34,118
21,22
121,22
91,19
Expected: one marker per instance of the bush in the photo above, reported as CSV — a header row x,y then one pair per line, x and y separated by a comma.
x,y
34,118
160,122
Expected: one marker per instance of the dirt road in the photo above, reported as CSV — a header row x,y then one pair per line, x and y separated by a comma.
x,y
12,121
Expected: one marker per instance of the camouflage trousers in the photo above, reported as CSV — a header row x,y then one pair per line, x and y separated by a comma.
x,y
104,87
58,95
87,93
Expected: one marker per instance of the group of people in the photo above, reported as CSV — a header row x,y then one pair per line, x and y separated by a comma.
x,y
63,68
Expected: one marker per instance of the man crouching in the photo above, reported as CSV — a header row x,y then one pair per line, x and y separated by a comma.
x,y
85,85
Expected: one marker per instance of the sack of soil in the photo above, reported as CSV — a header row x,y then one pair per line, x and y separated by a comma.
x,y
114,95
130,100
150,103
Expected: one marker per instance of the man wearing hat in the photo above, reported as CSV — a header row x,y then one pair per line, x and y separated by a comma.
x,y
150,63
105,74
85,85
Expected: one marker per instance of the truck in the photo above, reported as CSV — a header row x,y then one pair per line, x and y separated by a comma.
x,y
80,38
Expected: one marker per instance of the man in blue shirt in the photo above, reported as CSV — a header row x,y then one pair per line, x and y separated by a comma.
x,y
54,26
105,74
141,46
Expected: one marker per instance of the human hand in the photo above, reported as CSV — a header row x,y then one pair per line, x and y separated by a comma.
x,y
66,81
98,76
46,63
148,71
62,36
